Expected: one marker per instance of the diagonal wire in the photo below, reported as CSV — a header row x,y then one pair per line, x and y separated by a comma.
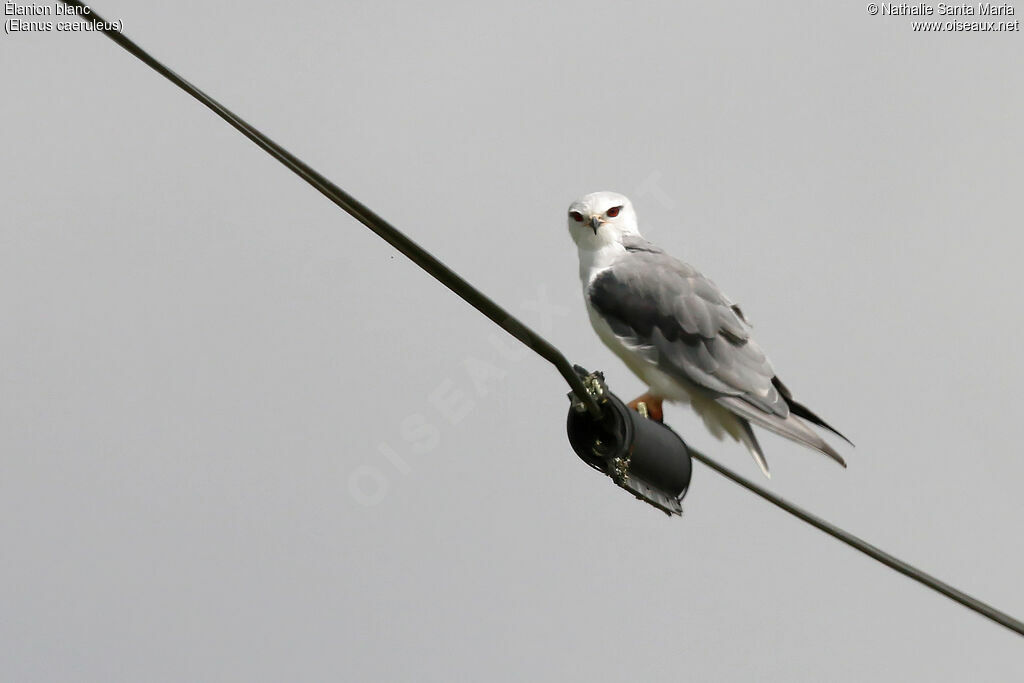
x,y
860,544
363,214
496,313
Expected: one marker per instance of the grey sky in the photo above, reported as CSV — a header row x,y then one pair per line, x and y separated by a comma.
x,y
199,351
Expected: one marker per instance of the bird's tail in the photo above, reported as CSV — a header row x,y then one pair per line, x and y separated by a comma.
x,y
750,441
791,426
721,420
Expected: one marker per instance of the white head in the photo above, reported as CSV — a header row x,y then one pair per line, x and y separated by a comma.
x,y
599,219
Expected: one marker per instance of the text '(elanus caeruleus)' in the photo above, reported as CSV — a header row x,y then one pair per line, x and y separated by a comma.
x,y
679,333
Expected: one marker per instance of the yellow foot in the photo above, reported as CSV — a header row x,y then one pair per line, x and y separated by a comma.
x,y
652,404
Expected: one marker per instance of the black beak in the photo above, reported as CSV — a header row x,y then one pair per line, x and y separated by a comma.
x,y
595,223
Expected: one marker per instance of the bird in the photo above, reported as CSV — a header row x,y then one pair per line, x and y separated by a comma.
x,y
680,334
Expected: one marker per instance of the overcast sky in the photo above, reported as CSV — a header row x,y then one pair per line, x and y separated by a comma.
x,y
245,440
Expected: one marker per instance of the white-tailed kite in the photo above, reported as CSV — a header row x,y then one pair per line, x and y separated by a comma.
x,y
680,333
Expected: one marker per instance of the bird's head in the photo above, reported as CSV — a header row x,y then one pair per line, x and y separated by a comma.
x,y
601,218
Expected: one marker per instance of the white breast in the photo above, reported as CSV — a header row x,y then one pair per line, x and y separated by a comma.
x,y
593,262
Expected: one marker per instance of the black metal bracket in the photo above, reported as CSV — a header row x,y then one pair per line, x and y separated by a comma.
x,y
640,455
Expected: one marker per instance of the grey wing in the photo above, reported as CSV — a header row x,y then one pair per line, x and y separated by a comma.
x,y
682,322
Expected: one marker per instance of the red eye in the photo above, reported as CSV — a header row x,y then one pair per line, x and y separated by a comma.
x,y
614,211
576,216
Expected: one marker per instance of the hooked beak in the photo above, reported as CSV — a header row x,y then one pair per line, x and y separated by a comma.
x,y
595,223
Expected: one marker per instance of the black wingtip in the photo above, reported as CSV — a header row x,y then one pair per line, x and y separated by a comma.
x,y
803,411
800,410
